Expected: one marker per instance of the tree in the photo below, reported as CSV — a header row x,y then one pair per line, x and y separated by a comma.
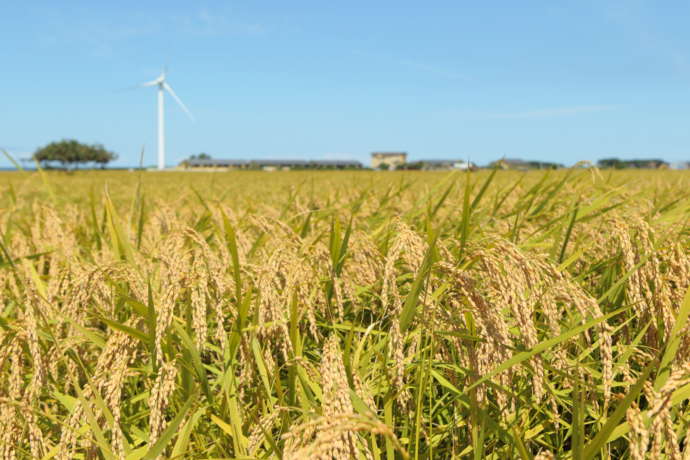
x,y
69,152
613,163
201,156
543,165
650,163
412,166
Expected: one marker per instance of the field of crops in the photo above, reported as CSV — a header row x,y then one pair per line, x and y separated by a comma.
x,y
345,315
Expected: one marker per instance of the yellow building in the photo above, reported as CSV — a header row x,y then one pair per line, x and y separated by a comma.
x,y
391,159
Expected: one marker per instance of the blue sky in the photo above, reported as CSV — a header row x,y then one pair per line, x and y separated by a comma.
x,y
561,81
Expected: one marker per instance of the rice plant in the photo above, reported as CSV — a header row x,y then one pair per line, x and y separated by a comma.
x,y
338,315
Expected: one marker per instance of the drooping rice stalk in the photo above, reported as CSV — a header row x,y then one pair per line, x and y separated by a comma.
x,y
345,315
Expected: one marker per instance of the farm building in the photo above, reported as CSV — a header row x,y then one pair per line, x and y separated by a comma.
x,y
391,160
428,165
448,164
274,165
210,163
268,165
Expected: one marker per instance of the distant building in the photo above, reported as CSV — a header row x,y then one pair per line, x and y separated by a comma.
x,y
464,165
278,165
335,164
392,160
212,164
428,165
268,165
274,165
680,165
436,164
509,163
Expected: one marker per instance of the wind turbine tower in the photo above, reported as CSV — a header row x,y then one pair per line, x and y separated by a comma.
x,y
163,86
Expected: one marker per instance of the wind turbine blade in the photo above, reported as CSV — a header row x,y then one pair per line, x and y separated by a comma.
x,y
169,89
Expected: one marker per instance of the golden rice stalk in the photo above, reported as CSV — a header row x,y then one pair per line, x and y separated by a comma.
x,y
333,439
639,434
303,443
162,389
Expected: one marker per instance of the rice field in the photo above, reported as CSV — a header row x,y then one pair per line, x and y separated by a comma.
x,y
338,315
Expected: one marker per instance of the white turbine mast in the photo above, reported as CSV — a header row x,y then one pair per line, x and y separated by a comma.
x,y
163,86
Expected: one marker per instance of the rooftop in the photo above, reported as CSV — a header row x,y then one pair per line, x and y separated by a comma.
x,y
216,162
273,162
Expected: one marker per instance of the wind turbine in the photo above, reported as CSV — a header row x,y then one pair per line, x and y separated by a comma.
x,y
163,86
